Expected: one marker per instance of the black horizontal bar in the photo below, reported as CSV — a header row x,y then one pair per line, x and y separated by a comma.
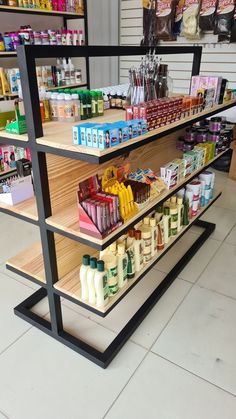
x,y
49,51
2,55
39,12
99,313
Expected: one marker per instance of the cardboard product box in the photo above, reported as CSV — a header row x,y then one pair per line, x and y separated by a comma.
x,y
104,137
20,190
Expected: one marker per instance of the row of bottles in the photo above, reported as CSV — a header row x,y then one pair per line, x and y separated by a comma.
x,y
70,106
126,257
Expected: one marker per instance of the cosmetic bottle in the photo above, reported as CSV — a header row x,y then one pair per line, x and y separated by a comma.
x,y
53,107
180,209
147,240
100,104
89,105
90,280
113,248
153,226
72,71
166,224
112,275
130,254
122,264
83,277
189,198
160,236
138,251
158,213
186,212
76,105
61,107
94,104
69,109
100,284
174,216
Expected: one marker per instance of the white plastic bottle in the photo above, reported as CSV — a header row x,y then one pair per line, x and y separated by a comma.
x,y
147,241
122,265
100,284
180,209
72,71
69,109
138,251
153,227
166,224
112,275
83,277
130,254
90,280
76,104
61,107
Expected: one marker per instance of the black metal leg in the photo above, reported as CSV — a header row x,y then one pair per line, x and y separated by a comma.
x,y
103,359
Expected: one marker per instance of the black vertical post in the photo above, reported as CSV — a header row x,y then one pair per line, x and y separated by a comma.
x,y
86,38
197,57
41,185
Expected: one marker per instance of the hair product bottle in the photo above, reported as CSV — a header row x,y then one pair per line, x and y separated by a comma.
x,y
90,279
100,284
122,264
138,251
83,277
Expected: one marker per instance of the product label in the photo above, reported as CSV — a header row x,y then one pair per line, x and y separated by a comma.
x,y
112,280
125,268
179,11
147,242
147,257
163,8
100,106
225,6
131,263
208,7
105,287
174,218
69,111
140,254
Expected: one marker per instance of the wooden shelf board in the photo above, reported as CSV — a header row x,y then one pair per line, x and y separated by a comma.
x,y
29,262
8,136
6,172
7,53
69,86
59,135
39,11
66,219
70,284
27,209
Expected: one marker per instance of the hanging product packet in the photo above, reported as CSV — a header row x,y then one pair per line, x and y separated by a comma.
x,y
149,22
165,18
178,17
224,19
207,15
190,25
233,30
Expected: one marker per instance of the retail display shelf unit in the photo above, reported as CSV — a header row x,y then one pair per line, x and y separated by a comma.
x,y
54,262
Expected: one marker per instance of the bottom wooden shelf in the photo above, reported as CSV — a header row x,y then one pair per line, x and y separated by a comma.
x,y
29,263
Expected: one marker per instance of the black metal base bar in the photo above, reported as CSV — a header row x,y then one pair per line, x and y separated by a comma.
x,y
103,359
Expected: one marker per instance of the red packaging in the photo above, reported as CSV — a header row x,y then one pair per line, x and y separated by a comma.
x,y
129,113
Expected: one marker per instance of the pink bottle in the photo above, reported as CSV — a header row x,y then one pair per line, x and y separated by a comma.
x,y
61,5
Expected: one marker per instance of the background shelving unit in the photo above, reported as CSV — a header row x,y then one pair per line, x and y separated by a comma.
x,y
54,263
50,13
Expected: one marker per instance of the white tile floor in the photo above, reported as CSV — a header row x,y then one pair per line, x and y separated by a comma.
x,y
179,364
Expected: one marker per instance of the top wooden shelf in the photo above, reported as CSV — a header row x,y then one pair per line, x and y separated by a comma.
x,y
69,15
58,138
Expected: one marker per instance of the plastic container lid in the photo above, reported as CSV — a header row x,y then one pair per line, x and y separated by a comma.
x,y
131,232
138,235
179,201
75,96
100,266
67,96
121,249
153,222
86,260
93,263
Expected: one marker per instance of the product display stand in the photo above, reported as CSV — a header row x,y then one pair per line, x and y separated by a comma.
x,y
58,167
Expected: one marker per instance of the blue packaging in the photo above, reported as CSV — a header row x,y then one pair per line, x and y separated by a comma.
x,y
140,125
123,131
83,132
114,134
104,136
95,135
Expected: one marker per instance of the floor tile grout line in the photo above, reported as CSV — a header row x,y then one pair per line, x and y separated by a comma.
x,y
16,340
4,414
216,292
123,388
194,374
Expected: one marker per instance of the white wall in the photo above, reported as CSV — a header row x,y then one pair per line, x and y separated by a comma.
x,y
217,59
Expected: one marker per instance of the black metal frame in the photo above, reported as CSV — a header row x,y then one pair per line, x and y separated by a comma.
x,y
26,58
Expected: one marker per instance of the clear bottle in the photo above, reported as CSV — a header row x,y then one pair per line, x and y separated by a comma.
x,y
122,264
54,107
83,277
153,226
76,104
90,280
138,251
61,107
69,109
41,105
46,103
100,285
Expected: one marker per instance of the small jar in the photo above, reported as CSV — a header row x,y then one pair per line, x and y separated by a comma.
x,y
190,135
45,37
213,137
37,38
15,39
201,135
215,124
188,147
180,144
